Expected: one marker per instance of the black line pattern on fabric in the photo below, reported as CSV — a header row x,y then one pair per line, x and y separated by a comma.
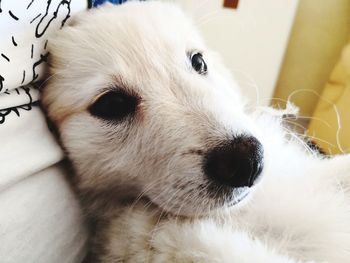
x,y
43,58
58,10
39,33
16,110
35,18
24,76
13,41
13,16
5,57
68,14
1,82
45,45
31,2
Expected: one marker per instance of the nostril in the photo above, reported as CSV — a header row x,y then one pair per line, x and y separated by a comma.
x,y
236,163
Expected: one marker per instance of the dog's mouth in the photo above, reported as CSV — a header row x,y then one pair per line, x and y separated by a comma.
x,y
203,201
227,175
239,195
227,196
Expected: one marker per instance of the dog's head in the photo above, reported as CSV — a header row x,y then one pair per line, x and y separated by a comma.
x,y
142,105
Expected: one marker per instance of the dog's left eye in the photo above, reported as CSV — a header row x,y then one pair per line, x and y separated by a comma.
x,y
113,105
198,63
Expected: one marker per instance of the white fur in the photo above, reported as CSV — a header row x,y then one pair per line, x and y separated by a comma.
x,y
300,212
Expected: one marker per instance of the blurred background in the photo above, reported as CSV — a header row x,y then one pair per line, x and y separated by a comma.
x,y
282,51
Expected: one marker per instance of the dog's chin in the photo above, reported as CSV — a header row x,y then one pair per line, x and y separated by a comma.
x,y
240,195
237,198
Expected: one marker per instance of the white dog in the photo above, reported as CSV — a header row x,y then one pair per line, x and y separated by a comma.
x,y
169,165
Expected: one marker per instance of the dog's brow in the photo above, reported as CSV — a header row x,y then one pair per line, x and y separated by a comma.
x,y
120,83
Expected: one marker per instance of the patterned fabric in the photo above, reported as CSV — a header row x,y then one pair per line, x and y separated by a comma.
x,y
18,100
24,28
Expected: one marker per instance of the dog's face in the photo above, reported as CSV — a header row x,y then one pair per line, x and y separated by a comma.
x,y
142,105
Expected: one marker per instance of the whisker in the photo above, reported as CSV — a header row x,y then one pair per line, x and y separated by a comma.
x,y
143,193
335,108
313,118
298,139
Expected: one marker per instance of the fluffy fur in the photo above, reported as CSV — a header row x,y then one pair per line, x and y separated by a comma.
x,y
141,180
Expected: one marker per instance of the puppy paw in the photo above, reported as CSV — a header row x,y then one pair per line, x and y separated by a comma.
x,y
205,241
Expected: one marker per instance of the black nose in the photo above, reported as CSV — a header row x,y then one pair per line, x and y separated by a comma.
x,y
236,163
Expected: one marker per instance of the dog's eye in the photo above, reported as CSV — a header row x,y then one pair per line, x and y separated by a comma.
x,y
198,63
113,105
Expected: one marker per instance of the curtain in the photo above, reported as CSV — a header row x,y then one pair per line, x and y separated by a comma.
x,y
330,124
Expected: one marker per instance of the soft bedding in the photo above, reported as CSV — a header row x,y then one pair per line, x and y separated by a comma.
x,y
40,219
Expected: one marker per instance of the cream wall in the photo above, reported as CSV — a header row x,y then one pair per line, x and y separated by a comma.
x,y
252,39
320,31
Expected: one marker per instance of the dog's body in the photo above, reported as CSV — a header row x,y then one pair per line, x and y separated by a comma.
x,y
148,116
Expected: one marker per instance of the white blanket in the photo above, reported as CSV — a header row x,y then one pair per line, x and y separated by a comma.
x,y
40,220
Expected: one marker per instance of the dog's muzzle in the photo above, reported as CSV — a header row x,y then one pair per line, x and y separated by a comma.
x,y
236,163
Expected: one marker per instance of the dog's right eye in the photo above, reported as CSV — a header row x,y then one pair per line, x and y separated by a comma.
x,y
198,63
114,105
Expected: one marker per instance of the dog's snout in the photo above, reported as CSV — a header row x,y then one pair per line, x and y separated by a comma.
x,y
236,163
